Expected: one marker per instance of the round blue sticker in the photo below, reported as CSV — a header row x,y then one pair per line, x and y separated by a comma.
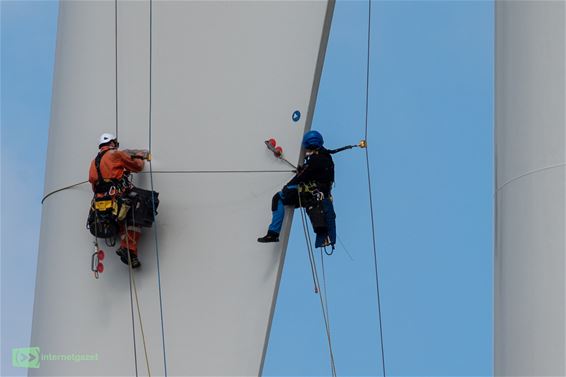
x,y
296,116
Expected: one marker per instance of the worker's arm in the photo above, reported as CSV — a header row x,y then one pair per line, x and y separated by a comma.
x,y
129,163
306,173
92,175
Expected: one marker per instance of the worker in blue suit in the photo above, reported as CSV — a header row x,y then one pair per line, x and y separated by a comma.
x,y
313,182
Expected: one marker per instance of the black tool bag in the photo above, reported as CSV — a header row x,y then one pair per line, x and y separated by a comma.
x,y
143,205
102,219
315,211
311,198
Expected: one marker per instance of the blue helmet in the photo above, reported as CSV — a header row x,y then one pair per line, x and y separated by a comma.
x,y
312,140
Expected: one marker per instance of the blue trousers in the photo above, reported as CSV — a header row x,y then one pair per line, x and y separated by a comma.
x,y
278,214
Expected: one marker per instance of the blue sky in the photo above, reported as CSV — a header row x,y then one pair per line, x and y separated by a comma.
x,y
430,138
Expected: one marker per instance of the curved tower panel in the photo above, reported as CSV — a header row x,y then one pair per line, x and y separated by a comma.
x,y
225,77
530,284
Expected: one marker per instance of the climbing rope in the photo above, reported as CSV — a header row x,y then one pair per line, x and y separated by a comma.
x,y
324,290
133,325
219,171
177,172
116,63
376,270
345,248
323,304
322,301
63,189
135,290
309,252
132,312
132,286
150,115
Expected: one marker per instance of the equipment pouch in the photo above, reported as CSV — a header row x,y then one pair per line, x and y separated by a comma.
x,y
315,211
102,221
123,211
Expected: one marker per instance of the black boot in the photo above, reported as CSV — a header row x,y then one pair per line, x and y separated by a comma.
x,y
123,253
271,236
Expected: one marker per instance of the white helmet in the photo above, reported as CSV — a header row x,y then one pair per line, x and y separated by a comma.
x,y
105,138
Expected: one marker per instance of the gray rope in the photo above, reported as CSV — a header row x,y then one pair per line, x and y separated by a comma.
x,y
376,271
116,126
219,171
152,187
116,61
135,289
179,172
133,321
62,189
317,285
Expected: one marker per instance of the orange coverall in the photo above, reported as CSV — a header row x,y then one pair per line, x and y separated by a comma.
x,y
113,165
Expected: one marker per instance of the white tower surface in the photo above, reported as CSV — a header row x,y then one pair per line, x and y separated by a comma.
x,y
530,263
225,77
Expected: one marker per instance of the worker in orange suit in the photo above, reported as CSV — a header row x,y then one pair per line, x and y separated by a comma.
x,y
108,175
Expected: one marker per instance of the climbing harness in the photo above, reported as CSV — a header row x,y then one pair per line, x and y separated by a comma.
x,y
107,205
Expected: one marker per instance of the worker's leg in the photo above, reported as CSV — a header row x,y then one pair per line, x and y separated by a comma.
x,y
277,214
130,237
287,197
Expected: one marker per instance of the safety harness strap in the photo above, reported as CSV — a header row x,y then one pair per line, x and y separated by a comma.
x,y
97,165
104,186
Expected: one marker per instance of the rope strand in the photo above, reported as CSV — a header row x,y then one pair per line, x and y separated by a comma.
x,y
324,290
152,187
130,272
317,284
132,309
135,289
376,270
116,61
309,252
